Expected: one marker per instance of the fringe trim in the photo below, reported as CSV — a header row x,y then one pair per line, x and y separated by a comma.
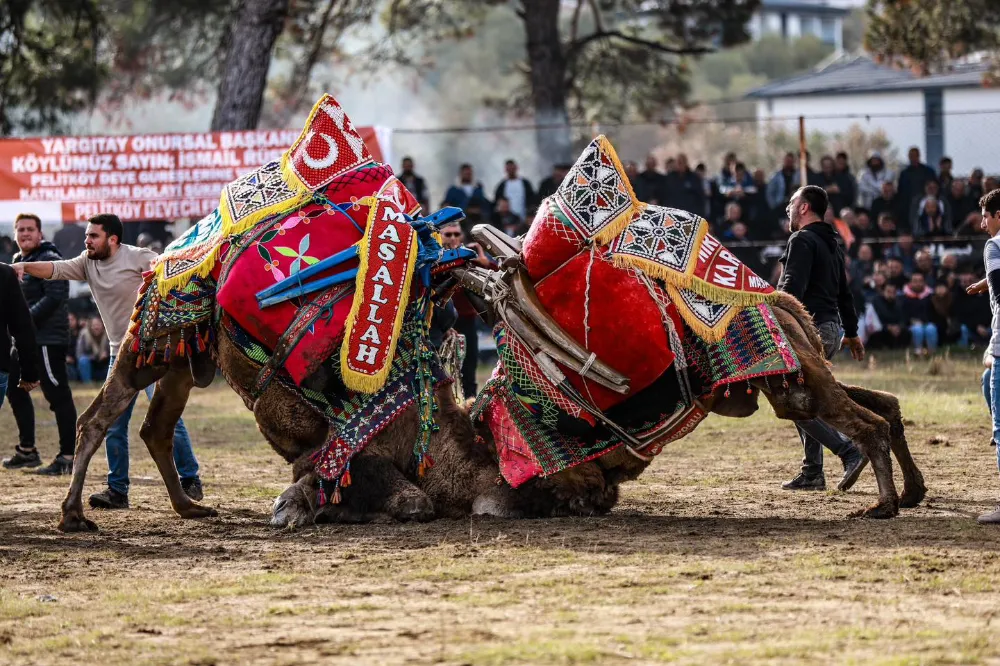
x,y
696,284
608,232
700,328
363,382
230,227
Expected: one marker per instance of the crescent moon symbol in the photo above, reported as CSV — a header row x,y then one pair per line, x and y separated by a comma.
x,y
325,162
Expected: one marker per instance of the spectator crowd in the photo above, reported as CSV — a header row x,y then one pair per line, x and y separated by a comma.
x,y
913,238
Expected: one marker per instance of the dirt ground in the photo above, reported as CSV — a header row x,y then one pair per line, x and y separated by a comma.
x,y
706,560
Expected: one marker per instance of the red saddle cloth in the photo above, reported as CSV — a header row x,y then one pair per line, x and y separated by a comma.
x,y
607,309
281,248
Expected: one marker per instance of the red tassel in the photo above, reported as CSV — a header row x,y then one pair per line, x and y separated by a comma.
x,y
428,462
199,343
151,359
182,348
336,496
135,346
139,361
345,481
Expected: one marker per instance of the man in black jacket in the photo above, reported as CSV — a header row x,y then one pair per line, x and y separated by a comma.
x,y
813,272
15,322
47,302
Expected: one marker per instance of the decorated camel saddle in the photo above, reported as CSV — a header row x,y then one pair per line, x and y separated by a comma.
x,y
615,316
317,267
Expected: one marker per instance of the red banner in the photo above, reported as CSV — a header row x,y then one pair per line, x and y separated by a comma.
x,y
137,177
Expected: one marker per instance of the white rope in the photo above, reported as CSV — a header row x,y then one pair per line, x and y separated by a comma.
x,y
586,327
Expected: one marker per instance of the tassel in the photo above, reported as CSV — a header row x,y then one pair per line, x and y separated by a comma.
x,y
166,351
135,346
784,382
800,380
151,359
320,497
428,462
182,348
336,495
726,394
345,480
139,361
199,344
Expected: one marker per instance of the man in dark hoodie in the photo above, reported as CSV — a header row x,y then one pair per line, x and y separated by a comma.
x,y
813,271
47,302
15,322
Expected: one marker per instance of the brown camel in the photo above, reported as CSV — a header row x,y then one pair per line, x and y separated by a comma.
x,y
464,480
383,475
871,418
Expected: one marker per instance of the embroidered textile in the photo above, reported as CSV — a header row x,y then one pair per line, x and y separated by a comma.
x,y
754,346
388,258
327,148
596,194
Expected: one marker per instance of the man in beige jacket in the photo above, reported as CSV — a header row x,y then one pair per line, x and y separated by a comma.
x,y
114,272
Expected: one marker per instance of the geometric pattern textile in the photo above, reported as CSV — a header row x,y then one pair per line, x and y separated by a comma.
x,y
596,194
328,147
753,346
662,238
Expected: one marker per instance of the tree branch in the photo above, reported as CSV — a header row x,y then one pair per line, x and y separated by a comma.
x,y
575,47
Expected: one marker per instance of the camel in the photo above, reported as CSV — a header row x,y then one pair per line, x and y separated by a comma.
x,y
383,476
387,482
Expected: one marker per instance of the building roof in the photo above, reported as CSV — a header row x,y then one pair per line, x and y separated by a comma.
x,y
803,7
854,74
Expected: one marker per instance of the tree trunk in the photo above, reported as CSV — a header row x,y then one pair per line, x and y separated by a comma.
x,y
547,64
256,26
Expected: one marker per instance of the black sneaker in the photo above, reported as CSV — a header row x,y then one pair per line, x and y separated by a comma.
x,y
58,467
21,460
806,482
192,488
853,466
109,499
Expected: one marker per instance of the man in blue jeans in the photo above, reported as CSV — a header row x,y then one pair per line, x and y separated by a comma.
x,y
114,272
990,205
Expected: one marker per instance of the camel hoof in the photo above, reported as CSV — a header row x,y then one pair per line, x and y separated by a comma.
x,y
910,499
76,523
195,511
880,511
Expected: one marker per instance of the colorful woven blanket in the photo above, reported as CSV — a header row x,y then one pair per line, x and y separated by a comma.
x,y
596,207
641,286
328,147
279,249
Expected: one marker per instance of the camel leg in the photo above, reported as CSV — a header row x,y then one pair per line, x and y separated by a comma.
x,y
92,426
157,431
887,405
378,487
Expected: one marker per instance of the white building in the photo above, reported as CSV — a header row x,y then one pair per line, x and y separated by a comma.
x,y
950,114
796,18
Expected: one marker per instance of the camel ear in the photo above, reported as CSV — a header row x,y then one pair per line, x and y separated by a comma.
x,y
596,194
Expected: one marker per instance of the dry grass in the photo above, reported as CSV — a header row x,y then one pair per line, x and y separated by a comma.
x,y
705,561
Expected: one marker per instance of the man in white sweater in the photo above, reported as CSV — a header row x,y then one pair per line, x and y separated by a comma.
x,y
114,272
